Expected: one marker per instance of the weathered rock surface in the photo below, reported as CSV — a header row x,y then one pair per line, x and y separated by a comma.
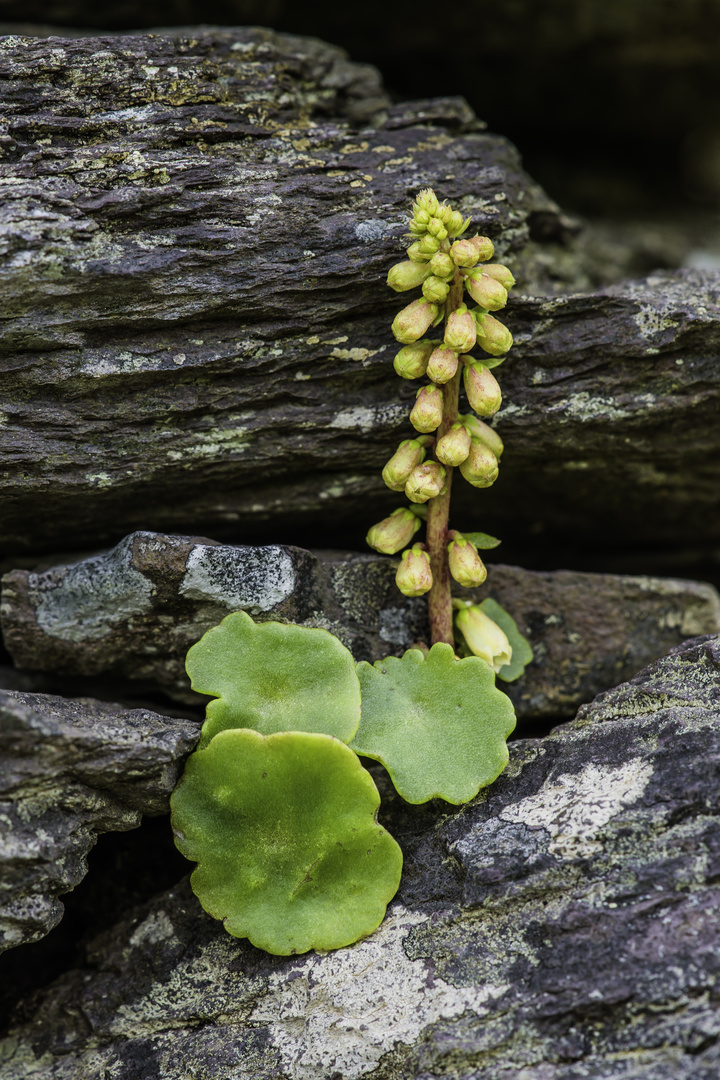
x,y
133,612
564,925
196,332
70,770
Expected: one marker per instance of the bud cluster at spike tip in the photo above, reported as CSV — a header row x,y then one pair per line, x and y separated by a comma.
x,y
443,264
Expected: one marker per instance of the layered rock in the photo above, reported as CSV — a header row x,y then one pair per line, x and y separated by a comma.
x,y
131,614
561,926
196,235
70,770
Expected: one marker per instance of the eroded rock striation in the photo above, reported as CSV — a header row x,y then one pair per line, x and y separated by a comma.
x,y
563,925
70,770
196,232
133,612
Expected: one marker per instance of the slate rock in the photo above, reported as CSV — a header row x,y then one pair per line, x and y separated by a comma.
x,y
197,328
132,613
70,770
561,926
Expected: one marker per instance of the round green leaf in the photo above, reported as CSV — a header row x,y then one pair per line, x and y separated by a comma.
x,y
283,830
274,677
436,723
522,652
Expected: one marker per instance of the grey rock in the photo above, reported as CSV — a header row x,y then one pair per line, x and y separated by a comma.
x,y
70,770
197,230
133,612
562,926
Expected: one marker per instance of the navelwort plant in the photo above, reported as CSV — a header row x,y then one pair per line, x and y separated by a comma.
x,y
275,806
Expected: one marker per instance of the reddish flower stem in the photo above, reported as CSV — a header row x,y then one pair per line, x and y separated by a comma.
x,y
439,597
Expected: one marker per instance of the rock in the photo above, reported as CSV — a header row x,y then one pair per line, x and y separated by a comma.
x,y
561,926
70,770
197,233
132,613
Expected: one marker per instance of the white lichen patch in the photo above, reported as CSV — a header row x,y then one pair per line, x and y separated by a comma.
x,y
84,602
574,808
651,321
364,418
354,354
337,1014
239,579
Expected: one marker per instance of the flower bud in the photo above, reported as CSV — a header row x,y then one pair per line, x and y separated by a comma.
x,y
416,229
482,389
444,212
484,637
408,275
408,454
412,322
437,229
421,217
442,365
487,292
427,411
435,289
472,250
454,446
425,482
456,226
415,254
466,566
426,201
414,576
460,332
484,433
480,467
394,532
499,273
412,360
492,336
442,265
428,245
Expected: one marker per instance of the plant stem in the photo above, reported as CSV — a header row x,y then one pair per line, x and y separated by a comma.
x,y
439,597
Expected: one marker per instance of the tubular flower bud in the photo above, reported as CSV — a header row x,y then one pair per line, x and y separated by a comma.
x,y
394,532
484,637
425,482
442,265
480,467
437,229
408,454
442,365
454,446
484,433
492,336
426,202
435,289
456,226
499,273
460,332
412,322
472,250
428,245
408,275
412,361
427,411
466,566
485,290
482,389
415,254
414,576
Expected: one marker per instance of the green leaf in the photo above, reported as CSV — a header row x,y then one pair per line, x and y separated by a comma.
x,y
437,724
272,677
283,830
522,652
492,361
482,541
